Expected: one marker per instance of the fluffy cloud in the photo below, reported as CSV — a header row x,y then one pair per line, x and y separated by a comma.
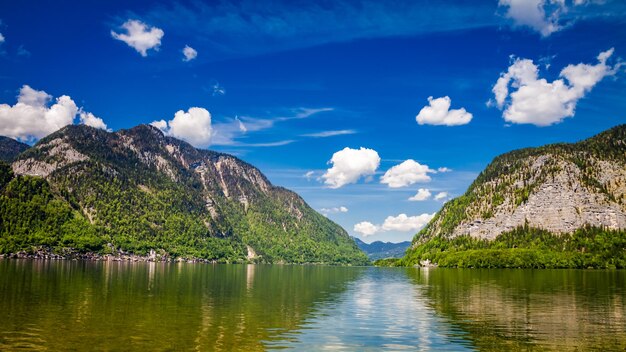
x,y
140,36
404,223
366,228
438,113
349,165
189,53
422,194
542,16
31,118
444,169
401,223
334,210
406,173
89,119
531,13
1,38
441,195
542,103
193,126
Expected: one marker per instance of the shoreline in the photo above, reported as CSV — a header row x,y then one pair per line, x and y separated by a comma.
x,y
96,257
134,258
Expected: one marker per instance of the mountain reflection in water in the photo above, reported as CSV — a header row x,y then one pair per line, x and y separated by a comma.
x,y
74,305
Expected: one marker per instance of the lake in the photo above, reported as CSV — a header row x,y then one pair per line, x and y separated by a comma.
x,y
80,305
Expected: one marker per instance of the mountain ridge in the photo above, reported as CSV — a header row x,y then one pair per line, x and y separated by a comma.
x,y
545,199
149,192
382,250
10,148
524,170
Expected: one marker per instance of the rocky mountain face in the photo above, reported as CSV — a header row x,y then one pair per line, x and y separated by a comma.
x,y
381,250
10,148
559,188
145,192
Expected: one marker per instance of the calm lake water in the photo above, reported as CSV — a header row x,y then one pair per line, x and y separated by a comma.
x,y
74,305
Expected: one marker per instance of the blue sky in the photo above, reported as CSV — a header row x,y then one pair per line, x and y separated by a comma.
x,y
289,84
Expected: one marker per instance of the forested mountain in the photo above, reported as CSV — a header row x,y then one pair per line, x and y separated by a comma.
x,y
565,204
381,250
138,191
10,149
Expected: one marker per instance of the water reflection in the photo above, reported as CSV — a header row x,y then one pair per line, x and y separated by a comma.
x,y
381,310
531,309
69,305
152,306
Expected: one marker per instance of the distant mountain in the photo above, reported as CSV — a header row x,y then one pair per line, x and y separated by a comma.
x,y
381,250
544,198
10,148
138,191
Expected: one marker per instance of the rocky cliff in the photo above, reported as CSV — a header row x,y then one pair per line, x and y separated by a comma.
x,y
559,188
145,192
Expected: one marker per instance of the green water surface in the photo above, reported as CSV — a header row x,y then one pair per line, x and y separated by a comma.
x,y
112,306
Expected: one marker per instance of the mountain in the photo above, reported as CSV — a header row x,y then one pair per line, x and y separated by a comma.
x,y
381,250
139,191
10,148
543,198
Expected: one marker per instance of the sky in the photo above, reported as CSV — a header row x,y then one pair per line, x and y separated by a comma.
x,y
375,112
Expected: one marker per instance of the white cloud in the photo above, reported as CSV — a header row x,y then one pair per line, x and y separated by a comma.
x,y
404,223
532,13
267,144
140,36
401,223
334,210
441,195
189,53
366,228
242,127
422,194
1,38
543,16
193,126
161,124
542,103
31,118
89,119
438,113
325,134
32,97
349,165
406,173
227,133
444,169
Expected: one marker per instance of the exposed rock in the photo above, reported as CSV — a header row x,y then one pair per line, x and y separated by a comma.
x,y
559,188
144,186
58,154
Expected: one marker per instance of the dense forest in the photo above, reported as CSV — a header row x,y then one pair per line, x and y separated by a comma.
x,y
555,206
524,247
137,191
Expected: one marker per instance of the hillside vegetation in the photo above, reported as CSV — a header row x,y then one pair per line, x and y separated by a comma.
x,y
560,205
83,189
